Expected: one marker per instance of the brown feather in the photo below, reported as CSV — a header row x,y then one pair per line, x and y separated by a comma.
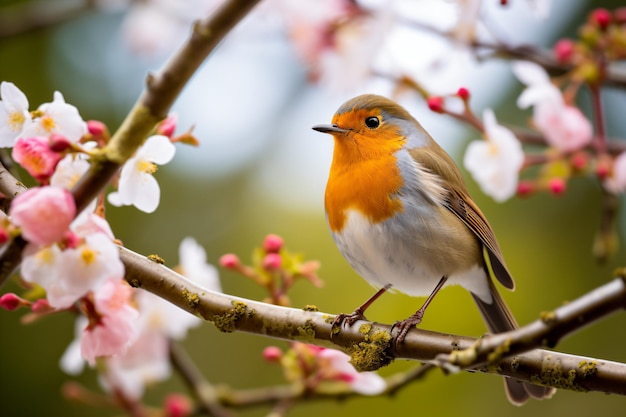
x,y
458,201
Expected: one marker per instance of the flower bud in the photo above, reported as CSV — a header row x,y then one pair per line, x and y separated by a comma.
x,y
41,306
272,354
463,93
168,126
96,128
557,186
230,261
525,188
579,161
10,301
601,17
563,50
272,243
435,103
59,143
177,405
272,262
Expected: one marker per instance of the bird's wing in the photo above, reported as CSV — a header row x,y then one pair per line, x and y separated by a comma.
x,y
467,211
458,201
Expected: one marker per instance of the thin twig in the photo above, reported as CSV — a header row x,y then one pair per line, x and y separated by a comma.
x,y
202,389
27,16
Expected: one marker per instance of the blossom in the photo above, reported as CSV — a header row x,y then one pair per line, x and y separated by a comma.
x,y
34,155
338,366
59,118
137,186
115,328
143,362
14,115
616,182
43,214
564,126
495,163
194,266
70,274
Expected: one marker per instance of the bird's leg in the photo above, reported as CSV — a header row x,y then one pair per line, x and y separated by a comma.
x,y
405,325
350,319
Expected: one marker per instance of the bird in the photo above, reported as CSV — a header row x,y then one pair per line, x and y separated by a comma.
x,y
400,213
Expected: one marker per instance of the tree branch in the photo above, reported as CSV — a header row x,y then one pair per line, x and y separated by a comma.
x,y
29,16
152,106
369,344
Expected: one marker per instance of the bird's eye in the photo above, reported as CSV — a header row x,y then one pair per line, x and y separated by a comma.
x,y
372,122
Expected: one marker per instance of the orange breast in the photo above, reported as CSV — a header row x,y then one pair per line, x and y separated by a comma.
x,y
364,176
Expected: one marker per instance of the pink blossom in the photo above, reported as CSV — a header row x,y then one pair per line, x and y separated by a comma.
x,y
44,214
116,327
145,361
35,156
70,274
564,127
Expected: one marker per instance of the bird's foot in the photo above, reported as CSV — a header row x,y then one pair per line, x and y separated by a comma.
x,y
346,319
405,325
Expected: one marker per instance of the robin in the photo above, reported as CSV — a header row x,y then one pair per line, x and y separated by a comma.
x,y
400,213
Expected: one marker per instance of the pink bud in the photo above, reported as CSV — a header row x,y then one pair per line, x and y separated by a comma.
x,y
272,354
35,156
563,50
4,235
601,17
435,103
579,160
41,306
168,126
272,243
464,93
525,188
602,170
272,262
96,128
10,301
44,214
177,405
230,261
557,186
59,143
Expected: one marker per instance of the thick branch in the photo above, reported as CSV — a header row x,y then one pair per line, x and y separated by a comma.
x,y
368,343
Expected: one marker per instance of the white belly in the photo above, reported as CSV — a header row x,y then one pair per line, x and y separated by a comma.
x,y
402,255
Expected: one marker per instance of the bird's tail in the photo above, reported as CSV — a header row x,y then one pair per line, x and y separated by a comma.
x,y
499,319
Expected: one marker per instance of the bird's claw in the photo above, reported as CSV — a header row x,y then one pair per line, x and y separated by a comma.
x,y
346,319
405,325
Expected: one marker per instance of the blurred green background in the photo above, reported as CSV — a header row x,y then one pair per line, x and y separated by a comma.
x,y
231,207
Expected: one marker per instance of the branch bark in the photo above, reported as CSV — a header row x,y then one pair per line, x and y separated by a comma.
x,y
369,344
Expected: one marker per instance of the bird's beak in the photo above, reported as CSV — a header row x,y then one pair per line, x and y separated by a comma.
x,y
329,129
